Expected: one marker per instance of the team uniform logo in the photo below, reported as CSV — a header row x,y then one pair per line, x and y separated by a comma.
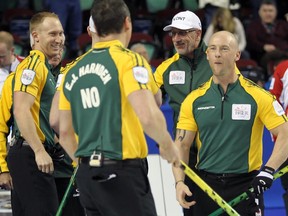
x,y
278,108
27,76
176,77
241,111
141,74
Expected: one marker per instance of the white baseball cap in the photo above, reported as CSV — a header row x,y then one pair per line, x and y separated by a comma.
x,y
184,20
92,25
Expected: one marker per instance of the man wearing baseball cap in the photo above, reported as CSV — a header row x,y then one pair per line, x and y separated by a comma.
x,y
183,72
185,20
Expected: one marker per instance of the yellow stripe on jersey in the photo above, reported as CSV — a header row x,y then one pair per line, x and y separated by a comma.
x,y
5,117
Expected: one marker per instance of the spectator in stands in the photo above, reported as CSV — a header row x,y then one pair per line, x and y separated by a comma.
x,y
210,6
282,7
279,84
70,15
8,59
224,20
279,87
141,49
267,37
255,5
255,74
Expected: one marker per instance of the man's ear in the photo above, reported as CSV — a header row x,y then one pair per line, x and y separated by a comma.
x,y
12,50
127,24
88,31
199,34
237,56
35,36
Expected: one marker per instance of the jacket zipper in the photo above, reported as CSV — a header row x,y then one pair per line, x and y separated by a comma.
x,y
223,97
222,105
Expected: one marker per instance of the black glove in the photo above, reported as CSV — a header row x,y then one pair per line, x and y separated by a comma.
x,y
263,180
57,153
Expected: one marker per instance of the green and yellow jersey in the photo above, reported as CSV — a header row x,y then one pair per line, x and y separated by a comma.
x,y
6,119
179,75
95,89
34,75
230,126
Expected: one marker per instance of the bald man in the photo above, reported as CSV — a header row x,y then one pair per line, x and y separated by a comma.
x,y
226,117
8,59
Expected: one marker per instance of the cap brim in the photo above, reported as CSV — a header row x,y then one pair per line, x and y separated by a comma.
x,y
167,28
181,27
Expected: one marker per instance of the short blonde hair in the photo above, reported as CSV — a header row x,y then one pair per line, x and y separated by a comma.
x,y
38,19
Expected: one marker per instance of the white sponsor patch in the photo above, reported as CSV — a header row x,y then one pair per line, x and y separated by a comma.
x,y
278,108
59,80
27,76
141,74
241,111
176,77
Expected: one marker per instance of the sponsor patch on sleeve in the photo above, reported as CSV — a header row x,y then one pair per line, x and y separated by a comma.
x,y
59,80
27,76
141,74
278,108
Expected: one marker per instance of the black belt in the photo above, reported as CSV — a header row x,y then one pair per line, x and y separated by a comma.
x,y
128,162
228,175
56,152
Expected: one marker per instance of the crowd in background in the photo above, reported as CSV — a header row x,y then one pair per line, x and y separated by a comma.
x,y
260,26
149,18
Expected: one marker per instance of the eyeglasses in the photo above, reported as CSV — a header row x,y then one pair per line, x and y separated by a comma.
x,y
181,33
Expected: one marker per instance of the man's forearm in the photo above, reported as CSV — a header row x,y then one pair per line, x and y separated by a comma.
x,y
184,156
156,128
27,129
279,154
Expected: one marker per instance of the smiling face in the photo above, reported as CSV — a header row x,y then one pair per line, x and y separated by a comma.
x,y
222,53
185,41
49,37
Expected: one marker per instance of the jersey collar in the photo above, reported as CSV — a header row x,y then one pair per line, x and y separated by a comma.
x,y
105,44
